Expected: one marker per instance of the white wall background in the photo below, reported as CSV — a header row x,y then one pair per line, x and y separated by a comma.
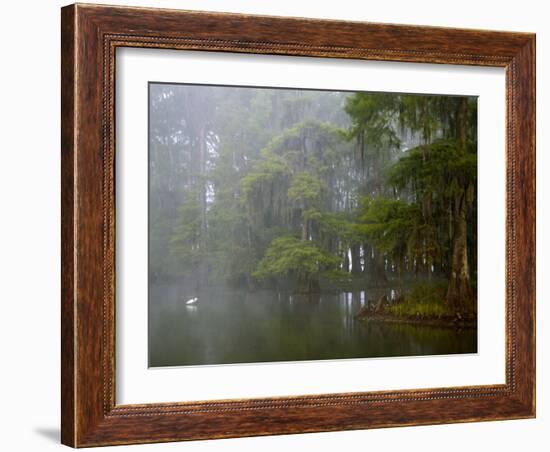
x,y
29,225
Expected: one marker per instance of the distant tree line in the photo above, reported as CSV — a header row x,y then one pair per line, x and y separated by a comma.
x,y
298,189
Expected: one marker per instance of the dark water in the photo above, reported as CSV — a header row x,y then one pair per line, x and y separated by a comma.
x,y
231,326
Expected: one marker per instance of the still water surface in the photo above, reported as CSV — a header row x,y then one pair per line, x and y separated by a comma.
x,y
232,326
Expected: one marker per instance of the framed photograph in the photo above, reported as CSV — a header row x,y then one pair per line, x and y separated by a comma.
x,y
281,225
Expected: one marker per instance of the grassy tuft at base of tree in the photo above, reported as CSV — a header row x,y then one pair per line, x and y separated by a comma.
x,y
424,301
424,304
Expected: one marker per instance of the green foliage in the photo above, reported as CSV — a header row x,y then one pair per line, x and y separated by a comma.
x,y
229,255
322,135
424,301
270,169
437,117
438,170
162,261
264,189
289,256
424,114
285,189
186,240
418,310
372,116
386,222
337,227
305,190
238,174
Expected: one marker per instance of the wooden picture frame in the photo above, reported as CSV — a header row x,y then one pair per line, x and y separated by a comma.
x,y
90,35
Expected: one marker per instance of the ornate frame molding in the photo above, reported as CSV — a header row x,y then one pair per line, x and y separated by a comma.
x,y
90,37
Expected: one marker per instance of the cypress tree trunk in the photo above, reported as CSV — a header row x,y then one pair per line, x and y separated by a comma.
x,y
309,284
314,286
355,260
346,260
305,229
461,119
374,266
459,292
367,257
399,266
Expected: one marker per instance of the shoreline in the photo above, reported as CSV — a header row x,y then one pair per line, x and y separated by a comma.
x,y
444,322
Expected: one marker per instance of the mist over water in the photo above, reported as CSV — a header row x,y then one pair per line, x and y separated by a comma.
x,y
228,326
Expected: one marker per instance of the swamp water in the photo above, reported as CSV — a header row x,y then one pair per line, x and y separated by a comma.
x,y
232,326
